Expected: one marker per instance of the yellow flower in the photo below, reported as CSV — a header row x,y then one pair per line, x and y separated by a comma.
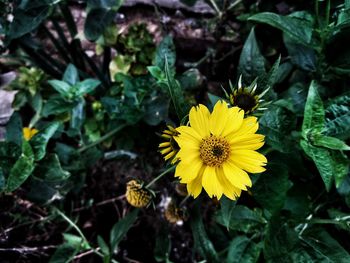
x,y
246,97
218,150
169,148
136,195
28,133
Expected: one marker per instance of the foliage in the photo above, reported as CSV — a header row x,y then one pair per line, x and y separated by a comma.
x,y
101,111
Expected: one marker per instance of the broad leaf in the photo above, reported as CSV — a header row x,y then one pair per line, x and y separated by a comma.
x,y
22,169
61,87
251,62
243,249
71,75
120,229
165,54
314,114
40,140
300,30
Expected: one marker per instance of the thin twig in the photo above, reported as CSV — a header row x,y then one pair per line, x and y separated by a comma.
x,y
26,250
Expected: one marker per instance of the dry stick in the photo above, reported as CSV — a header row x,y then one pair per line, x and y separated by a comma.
x,y
24,250
91,251
111,200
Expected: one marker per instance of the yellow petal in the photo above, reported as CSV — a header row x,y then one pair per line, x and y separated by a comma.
x,y
234,121
236,176
164,144
249,126
211,183
187,172
248,142
229,190
218,118
187,133
199,120
251,163
194,188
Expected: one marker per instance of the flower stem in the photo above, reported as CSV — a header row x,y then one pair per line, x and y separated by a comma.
x,y
160,176
103,138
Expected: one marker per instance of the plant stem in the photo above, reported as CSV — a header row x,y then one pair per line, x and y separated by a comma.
x,y
234,4
160,176
215,6
103,138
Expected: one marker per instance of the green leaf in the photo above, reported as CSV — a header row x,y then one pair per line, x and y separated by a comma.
x,y
78,115
338,117
271,78
25,21
300,30
176,94
61,87
225,212
314,114
163,245
276,124
323,161
66,252
14,132
328,142
243,219
71,75
251,62
324,247
270,190
165,55
201,241
120,229
156,72
86,86
40,140
103,245
341,167
156,110
22,169
9,154
96,22
56,105
280,241
243,249
50,170
302,56
2,181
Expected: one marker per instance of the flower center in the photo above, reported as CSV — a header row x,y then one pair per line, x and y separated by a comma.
x,y
214,150
245,101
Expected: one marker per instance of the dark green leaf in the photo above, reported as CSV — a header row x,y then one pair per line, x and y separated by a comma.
x,y
225,212
270,190
176,94
14,132
2,181
71,75
40,140
103,245
97,21
66,252
166,51
329,142
86,86
314,114
61,87
26,21
243,219
341,167
56,105
201,241
243,249
301,56
324,247
120,229
9,154
276,124
50,170
156,72
22,169
300,30
323,161
78,115
251,62
156,110
163,245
